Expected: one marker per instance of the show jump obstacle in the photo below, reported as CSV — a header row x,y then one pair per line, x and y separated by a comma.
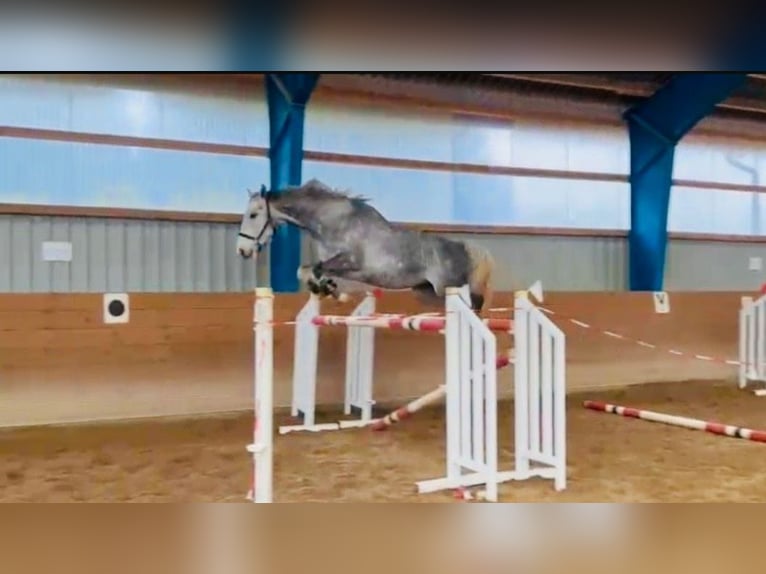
x,y
360,346
470,387
752,342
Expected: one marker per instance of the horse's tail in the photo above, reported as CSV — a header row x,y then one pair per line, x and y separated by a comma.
x,y
480,277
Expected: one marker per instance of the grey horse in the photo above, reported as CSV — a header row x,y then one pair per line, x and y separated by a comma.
x,y
355,243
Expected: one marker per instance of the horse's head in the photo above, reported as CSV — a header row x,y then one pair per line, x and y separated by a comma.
x,y
257,225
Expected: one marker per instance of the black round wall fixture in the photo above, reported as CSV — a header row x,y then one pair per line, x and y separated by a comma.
x,y
116,308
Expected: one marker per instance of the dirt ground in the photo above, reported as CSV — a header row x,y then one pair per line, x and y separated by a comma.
x,y
611,458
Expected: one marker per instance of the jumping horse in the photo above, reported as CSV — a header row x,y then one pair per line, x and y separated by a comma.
x,y
355,243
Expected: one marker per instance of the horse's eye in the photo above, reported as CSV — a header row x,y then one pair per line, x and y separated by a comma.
x,y
252,216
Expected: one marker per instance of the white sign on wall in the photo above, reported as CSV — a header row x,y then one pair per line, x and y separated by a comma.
x,y
57,251
661,302
755,264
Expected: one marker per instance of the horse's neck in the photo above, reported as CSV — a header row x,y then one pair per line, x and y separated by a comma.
x,y
285,210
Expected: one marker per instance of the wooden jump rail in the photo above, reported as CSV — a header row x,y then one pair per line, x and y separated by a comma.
x,y
674,420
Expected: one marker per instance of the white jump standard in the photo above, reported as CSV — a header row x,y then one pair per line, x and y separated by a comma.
x,y
470,389
359,366
752,343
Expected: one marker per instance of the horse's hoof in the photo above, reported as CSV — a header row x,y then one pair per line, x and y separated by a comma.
x,y
314,287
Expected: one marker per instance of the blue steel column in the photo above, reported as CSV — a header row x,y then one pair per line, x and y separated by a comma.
x,y
287,96
655,126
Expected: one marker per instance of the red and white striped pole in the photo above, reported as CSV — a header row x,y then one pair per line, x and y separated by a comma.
x,y
424,322
685,422
415,405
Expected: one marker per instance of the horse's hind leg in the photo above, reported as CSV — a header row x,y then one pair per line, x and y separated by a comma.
x,y
477,301
429,293
426,293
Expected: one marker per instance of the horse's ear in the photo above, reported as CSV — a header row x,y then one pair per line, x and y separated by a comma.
x,y
251,193
267,194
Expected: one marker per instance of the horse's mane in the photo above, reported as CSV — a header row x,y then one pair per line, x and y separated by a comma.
x,y
316,190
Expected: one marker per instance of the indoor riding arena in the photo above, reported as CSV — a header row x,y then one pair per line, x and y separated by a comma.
x,y
144,358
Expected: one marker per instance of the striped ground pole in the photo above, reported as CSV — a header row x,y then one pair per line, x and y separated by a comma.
x,y
686,422
415,405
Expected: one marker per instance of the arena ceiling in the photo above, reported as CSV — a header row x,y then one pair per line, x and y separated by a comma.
x,y
620,88
626,88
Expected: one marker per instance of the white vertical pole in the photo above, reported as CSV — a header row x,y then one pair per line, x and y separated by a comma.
x,y
547,392
263,434
366,370
520,399
359,362
534,330
760,329
465,388
751,365
452,383
353,351
490,378
305,361
478,383
559,406
743,330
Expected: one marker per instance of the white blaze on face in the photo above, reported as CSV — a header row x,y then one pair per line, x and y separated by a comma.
x,y
254,220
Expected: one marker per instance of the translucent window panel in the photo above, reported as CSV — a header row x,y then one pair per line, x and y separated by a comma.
x,y
540,202
573,147
428,135
735,212
715,211
217,119
598,148
538,145
44,172
473,199
691,210
482,142
76,106
378,131
483,199
759,217
719,159
404,195
33,103
598,204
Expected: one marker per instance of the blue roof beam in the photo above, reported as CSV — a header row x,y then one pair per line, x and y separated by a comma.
x,y
655,126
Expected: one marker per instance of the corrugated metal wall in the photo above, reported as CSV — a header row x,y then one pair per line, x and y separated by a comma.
x,y
713,266
164,256
561,263
122,255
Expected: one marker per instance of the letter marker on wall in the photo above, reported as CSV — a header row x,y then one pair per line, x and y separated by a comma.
x,y
661,302
116,308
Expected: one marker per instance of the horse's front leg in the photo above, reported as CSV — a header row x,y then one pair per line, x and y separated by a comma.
x,y
318,277
339,266
317,283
